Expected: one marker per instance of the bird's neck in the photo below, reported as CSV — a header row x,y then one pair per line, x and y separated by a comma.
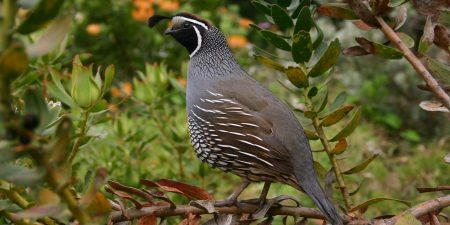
x,y
214,58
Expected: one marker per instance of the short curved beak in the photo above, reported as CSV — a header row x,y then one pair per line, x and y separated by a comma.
x,y
168,31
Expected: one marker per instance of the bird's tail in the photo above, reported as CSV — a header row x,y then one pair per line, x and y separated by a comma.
x,y
315,191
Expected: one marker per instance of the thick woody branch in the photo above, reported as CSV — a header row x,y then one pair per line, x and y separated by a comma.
x,y
246,208
415,62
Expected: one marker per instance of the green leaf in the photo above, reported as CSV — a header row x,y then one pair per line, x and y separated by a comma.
x,y
386,52
60,149
302,47
299,8
444,18
109,76
337,10
13,61
311,135
52,37
350,127
20,175
310,114
363,206
281,17
297,77
407,219
312,92
270,63
320,170
57,90
324,102
426,41
395,3
320,36
336,116
261,7
284,3
304,21
276,40
439,70
360,167
410,135
328,59
40,15
254,26
406,39
339,100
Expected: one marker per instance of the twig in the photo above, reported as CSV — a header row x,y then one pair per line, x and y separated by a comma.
x,y
415,62
246,208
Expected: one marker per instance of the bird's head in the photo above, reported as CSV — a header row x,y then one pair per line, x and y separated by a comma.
x,y
188,29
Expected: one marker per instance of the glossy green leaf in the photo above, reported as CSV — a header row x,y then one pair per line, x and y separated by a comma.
x,y
363,206
276,40
407,219
40,15
302,47
52,37
284,3
281,17
337,10
311,135
339,100
336,116
304,21
439,70
350,127
297,77
261,7
406,39
328,59
270,63
360,167
426,41
386,52
312,92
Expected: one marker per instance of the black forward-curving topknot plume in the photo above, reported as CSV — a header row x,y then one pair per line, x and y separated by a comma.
x,y
152,21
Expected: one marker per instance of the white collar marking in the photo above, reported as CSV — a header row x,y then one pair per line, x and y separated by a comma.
x,y
192,21
199,42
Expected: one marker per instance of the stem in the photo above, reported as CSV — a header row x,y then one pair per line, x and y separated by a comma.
x,y
76,145
415,62
336,167
9,15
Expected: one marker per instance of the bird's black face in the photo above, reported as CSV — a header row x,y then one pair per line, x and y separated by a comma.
x,y
187,29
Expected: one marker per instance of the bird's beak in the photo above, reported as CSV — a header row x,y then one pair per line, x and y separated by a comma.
x,y
168,31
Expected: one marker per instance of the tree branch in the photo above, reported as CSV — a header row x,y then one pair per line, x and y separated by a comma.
x,y
246,208
415,62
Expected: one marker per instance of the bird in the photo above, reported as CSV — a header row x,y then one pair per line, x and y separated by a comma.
x,y
236,124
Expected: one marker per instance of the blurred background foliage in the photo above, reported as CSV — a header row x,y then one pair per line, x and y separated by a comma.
x,y
137,128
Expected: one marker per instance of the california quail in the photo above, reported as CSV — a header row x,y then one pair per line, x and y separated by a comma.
x,y
237,125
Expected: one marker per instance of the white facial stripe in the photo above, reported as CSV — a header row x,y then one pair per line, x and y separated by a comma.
x,y
192,21
199,41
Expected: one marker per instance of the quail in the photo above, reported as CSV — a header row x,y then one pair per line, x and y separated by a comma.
x,y
237,125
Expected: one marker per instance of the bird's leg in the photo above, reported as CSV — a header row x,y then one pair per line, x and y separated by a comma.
x,y
232,199
263,196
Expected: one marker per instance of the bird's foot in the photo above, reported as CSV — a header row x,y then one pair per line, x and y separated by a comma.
x,y
266,204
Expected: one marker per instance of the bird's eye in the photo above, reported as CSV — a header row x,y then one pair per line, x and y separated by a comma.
x,y
186,25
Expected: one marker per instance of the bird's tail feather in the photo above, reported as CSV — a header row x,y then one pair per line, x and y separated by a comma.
x,y
315,191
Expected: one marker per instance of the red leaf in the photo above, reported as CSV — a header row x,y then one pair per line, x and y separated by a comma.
x,y
147,220
361,25
191,192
